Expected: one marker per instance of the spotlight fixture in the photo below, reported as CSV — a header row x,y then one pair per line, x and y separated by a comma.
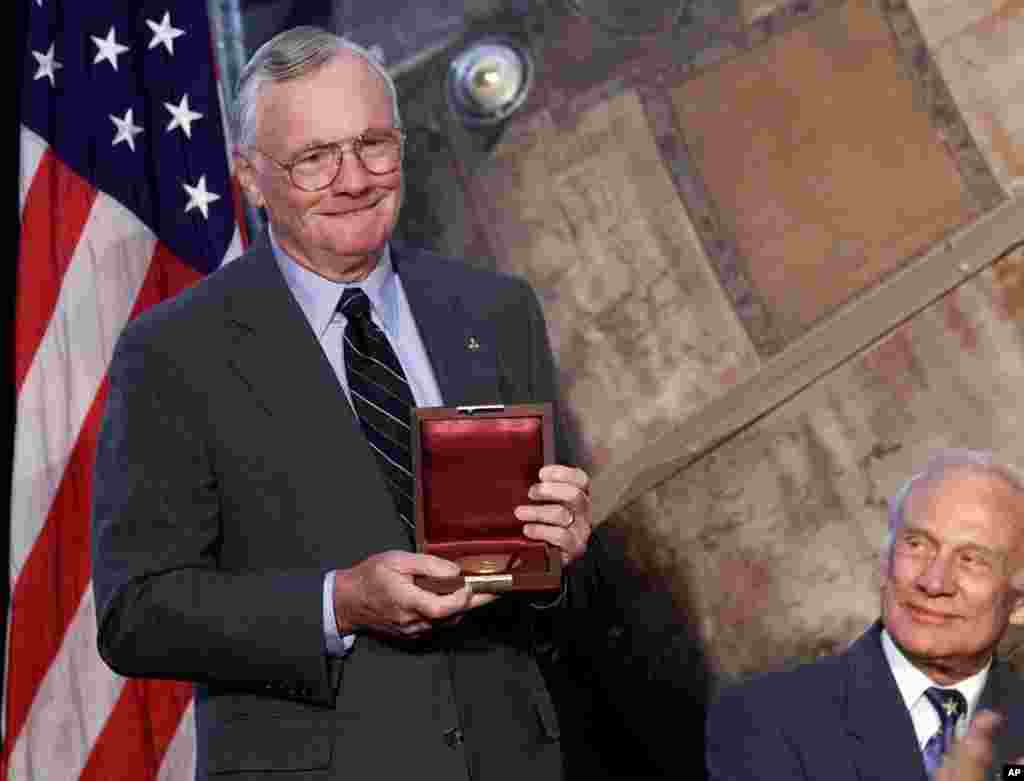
x,y
489,80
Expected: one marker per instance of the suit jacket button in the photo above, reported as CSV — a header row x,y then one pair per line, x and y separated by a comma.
x,y
453,737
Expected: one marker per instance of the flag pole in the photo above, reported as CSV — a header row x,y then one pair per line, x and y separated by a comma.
x,y
228,30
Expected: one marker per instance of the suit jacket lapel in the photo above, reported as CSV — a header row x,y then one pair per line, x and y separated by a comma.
x,y
275,350
278,356
459,347
876,716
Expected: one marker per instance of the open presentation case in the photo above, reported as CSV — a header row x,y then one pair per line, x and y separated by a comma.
x,y
473,465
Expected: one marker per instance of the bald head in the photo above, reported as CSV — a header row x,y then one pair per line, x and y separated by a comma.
x,y
952,464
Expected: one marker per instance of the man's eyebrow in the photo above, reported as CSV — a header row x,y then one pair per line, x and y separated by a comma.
x,y
909,528
994,553
315,143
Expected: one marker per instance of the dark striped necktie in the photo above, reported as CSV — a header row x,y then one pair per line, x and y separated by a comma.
x,y
951,707
380,396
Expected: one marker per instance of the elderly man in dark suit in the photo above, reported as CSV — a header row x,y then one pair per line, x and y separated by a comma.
x,y
900,697
252,513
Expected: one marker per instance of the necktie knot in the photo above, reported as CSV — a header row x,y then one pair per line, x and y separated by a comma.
x,y
949,703
354,304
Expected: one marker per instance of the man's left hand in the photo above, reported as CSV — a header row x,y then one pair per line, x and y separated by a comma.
x,y
561,515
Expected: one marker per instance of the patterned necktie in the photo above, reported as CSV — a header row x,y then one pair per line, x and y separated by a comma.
x,y
380,396
951,706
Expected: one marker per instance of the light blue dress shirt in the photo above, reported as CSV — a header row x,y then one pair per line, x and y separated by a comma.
x,y
318,298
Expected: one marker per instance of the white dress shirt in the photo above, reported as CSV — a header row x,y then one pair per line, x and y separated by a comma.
x,y
912,684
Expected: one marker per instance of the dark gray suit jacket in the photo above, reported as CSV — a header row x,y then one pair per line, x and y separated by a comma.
x,y
841,718
231,476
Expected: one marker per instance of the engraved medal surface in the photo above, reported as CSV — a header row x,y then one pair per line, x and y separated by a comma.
x,y
488,563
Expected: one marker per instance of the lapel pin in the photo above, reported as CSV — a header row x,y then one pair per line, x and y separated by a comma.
x,y
472,344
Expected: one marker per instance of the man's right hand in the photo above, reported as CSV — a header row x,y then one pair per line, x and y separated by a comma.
x,y
972,755
379,595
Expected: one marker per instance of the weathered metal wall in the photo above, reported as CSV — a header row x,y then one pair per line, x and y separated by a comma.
x,y
766,245
774,535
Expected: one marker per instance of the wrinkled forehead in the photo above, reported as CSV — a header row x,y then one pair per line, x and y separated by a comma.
x,y
345,91
973,498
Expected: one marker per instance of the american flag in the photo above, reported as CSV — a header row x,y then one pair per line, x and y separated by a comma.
x,y
126,198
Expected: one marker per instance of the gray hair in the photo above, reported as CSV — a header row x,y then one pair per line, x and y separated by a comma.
x,y
290,55
940,466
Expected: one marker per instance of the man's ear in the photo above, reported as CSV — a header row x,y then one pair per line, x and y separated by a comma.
x,y
246,175
1017,614
1017,595
1017,590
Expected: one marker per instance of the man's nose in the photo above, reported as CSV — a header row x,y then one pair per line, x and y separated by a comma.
x,y
352,178
937,578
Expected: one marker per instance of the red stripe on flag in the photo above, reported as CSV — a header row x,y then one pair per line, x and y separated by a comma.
x,y
56,208
140,728
57,571
167,276
52,581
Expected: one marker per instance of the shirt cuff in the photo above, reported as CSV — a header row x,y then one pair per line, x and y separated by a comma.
x,y
337,643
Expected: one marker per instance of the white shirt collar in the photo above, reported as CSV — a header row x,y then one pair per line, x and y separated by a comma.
x,y
912,684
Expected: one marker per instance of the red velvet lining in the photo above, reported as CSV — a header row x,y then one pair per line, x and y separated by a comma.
x,y
474,473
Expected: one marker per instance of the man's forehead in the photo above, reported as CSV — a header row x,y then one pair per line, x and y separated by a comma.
x,y
970,498
353,71
297,111
344,70
971,483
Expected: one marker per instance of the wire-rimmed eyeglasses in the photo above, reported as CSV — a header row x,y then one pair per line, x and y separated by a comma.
x,y
378,150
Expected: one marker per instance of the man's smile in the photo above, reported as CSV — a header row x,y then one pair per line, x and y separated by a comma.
x,y
927,616
352,210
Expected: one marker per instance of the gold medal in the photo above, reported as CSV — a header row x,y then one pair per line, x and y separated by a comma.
x,y
488,563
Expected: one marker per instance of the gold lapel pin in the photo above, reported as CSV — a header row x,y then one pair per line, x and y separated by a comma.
x,y
472,344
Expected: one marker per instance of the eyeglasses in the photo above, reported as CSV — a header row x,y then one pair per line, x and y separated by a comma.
x,y
379,152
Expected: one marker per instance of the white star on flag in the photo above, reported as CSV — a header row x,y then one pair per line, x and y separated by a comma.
x,y
126,129
183,116
199,198
48,66
108,48
104,236
163,33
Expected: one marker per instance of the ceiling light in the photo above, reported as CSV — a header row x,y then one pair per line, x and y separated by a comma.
x,y
489,80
